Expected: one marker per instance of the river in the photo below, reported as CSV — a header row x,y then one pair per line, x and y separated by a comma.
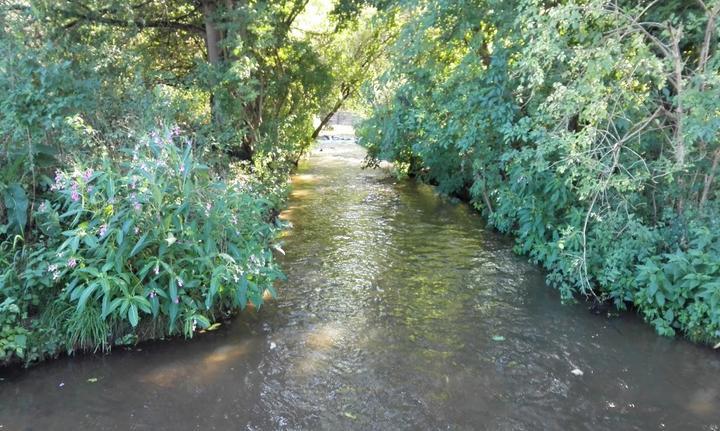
x,y
401,311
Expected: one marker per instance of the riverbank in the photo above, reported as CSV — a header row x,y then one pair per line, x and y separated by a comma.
x,y
398,304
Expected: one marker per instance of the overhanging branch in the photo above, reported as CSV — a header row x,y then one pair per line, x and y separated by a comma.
x,y
137,23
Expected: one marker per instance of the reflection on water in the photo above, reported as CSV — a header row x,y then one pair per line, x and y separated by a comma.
x,y
401,311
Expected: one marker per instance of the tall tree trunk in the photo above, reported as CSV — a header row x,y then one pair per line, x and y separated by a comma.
x,y
213,37
679,113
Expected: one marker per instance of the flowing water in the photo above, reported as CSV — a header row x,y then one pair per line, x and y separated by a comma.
x,y
401,311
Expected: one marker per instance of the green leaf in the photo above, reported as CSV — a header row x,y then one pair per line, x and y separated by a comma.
x,y
139,245
133,315
16,204
120,237
85,296
660,298
142,303
114,304
21,341
204,323
214,286
242,293
173,311
91,241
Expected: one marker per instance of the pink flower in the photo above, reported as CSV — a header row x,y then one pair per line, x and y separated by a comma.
x,y
72,263
103,231
182,168
74,195
137,206
59,179
87,175
176,300
152,294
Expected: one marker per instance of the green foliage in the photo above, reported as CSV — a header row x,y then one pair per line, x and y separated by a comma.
x,y
13,337
16,205
681,290
146,239
588,130
192,242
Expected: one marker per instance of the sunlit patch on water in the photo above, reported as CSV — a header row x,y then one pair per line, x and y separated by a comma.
x,y
223,355
287,215
300,193
306,179
208,367
705,401
167,375
325,336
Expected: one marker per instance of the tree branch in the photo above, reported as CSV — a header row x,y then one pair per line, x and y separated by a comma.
x,y
138,23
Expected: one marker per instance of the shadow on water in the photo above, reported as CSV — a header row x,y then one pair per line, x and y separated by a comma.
x,y
401,311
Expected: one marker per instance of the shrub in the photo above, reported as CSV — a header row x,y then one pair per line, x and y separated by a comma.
x,y
143,244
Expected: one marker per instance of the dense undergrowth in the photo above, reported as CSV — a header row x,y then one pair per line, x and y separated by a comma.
x,y
145,148
144,237
587,129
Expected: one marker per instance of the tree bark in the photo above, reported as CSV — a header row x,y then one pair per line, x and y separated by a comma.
x,y
679,112
709,178
212,33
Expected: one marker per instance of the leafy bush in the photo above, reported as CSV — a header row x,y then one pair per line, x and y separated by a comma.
x,y
681,290
140,245
13,336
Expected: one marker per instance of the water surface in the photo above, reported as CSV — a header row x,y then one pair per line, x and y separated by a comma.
x,y
401,311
